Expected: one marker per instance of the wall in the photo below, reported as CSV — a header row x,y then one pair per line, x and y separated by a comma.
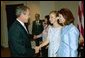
x,y
46,7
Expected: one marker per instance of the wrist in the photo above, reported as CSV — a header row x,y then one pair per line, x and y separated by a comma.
x,y
40,47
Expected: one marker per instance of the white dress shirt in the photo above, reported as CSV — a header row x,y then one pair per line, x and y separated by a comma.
x,y
22,24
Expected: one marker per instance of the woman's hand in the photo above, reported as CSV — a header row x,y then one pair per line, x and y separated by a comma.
x,y
37,48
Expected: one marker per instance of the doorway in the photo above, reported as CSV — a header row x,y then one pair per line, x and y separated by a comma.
x,y
11,14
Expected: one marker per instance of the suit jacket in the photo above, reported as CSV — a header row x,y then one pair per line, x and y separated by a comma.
x,y
37,28
69,42
19,41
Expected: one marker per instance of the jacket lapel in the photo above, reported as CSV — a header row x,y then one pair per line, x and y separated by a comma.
x,y
22,28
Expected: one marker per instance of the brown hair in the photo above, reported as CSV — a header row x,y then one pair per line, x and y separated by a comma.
x,y
68,16
47,18
21,9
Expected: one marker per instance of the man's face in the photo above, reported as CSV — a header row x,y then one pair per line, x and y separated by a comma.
x,y
26,16
37,16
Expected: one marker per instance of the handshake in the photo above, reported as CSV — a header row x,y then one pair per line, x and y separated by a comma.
x,y
37,49
35,37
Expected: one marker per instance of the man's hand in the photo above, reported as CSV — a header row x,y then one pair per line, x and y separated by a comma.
x,y
35,37
46,47
37,49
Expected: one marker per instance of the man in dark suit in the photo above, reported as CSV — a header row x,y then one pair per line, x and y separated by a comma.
x,y
37,27
19,37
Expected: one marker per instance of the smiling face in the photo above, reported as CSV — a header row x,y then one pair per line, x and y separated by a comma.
x,y
61,19
25,15
65,16
52,18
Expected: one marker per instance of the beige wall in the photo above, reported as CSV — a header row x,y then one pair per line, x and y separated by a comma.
x,y
46,7
41,7
34,8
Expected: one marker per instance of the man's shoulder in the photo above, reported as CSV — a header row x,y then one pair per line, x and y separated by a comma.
x,y
15,26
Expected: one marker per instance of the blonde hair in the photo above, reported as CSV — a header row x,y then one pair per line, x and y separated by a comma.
x,y
55,12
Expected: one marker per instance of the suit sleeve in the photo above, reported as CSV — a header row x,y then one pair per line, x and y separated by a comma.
x,y
74,35
17,45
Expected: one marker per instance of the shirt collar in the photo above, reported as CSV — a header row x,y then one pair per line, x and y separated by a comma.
x,y
20,22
